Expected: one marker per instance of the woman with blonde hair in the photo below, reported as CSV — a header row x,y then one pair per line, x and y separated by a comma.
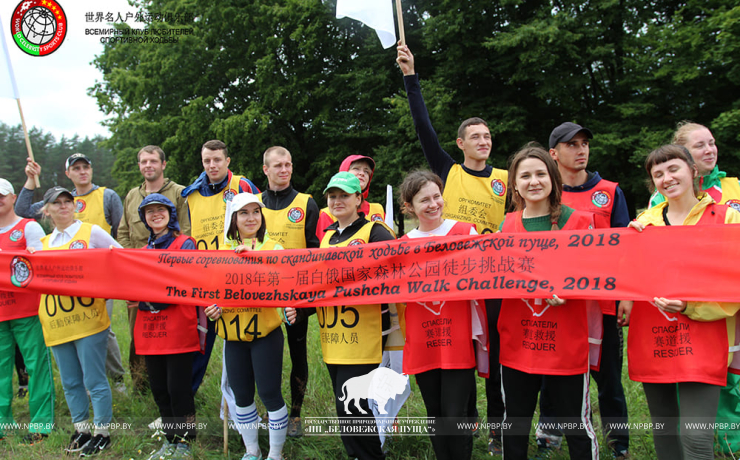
x,y
79,347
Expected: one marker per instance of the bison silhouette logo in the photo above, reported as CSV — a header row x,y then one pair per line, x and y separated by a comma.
x,y
379,384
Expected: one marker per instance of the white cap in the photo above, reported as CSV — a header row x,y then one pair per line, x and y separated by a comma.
x,y
6,188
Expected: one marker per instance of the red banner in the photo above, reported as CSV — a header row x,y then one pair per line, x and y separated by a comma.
x,y
688,263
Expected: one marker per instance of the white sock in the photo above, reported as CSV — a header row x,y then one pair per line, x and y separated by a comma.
x,y
278,430
246,424
83,427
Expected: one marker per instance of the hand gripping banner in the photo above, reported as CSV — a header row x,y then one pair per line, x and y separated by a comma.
x,y
687,263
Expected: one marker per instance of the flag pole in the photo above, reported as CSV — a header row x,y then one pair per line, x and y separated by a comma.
x,y
399,13
17,98
28,140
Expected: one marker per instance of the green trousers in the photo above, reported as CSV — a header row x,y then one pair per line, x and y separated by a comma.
x,y
729,412
27,333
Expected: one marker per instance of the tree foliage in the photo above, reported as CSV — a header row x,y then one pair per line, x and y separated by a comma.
x,y
51,155
255,74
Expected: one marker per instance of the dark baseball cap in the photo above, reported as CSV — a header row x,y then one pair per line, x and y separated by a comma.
x,y
566,132
75,157
54,192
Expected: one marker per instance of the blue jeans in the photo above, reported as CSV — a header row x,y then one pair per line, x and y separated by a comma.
x,y
81,365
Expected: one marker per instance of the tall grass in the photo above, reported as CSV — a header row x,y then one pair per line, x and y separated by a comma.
x,y
137,442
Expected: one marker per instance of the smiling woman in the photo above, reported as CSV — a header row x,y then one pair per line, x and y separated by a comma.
x,y
688,356
530,360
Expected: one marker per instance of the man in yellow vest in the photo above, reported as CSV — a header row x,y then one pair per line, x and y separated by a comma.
x,y
207,198
132,233
93,205
291,220
474,192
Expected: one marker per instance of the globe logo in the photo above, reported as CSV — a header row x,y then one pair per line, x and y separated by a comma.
x,y
39,26
20,271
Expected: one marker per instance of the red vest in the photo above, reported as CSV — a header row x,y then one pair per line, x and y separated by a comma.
x,y
15,305
670,347
439,333
169,331
540,339
599,201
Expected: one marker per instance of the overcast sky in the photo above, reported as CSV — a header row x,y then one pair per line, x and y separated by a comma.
x,y
53,88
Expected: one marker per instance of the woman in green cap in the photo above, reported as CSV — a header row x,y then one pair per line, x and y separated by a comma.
x,y
358,328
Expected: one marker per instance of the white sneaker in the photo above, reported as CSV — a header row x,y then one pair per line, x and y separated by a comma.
x,y
157,424
546,440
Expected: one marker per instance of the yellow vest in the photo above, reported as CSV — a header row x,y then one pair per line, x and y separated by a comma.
x,y
476,200
91,208
207,215
351,334
730,192
64,318
244,323
288,225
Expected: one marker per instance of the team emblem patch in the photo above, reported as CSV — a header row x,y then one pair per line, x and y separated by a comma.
x,y
296,215
38,26
498,187
16,235
356,242
80,205
600,198
376,218
78,244
229,195
734,204
21,271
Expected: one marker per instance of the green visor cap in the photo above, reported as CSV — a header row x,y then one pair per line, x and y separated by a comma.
x,y
345,181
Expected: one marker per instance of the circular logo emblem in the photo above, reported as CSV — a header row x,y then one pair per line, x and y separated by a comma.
x,y
295,215
600,198
356,242
20,271
80,205
229,194
78,244
498,187
734,204
38,26
376,218
16,235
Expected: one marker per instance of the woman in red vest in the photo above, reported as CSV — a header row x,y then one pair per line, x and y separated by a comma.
x,y
679,349
544,338
440,334
167,335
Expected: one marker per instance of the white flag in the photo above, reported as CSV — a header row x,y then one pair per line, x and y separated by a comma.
x,y
8,87
377,14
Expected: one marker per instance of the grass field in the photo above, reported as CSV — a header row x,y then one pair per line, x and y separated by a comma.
x,y
136,442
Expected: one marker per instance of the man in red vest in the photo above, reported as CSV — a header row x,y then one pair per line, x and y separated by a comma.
x,y
586,191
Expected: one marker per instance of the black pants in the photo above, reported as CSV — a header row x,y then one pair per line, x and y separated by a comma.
x,y
612,402
260,361
200,360
570,402
363,446
169,379
493,383
446,394
299,365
